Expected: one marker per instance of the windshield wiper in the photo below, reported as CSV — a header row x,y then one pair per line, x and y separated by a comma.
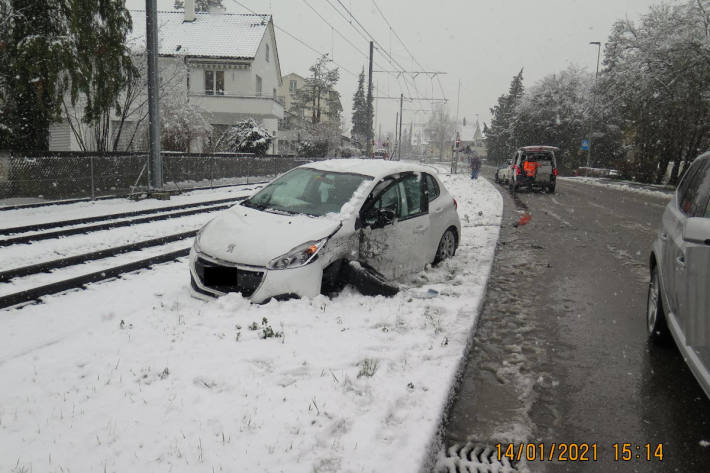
x,y
250,204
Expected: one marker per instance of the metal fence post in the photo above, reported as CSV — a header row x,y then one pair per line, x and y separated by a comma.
x,y
91,161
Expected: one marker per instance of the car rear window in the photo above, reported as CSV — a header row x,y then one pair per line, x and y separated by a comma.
x,y
690,192
432,187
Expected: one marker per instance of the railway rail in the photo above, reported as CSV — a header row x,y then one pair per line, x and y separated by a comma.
x,y
36,291
114,221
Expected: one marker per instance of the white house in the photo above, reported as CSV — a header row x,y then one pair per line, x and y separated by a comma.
x,y
227,64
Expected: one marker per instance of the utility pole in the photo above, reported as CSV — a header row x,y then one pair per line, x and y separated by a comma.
x,y
369,102
455,155
396,148
399,149
594,100
156,163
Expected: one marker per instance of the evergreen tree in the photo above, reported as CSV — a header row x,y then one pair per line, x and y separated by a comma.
x,y
500,141
55,46
360,122
101,65
34,57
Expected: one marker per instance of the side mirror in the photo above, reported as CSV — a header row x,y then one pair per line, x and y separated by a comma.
x,y
378,218
697,230
385,217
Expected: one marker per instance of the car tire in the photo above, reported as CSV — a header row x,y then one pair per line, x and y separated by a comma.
x,y
447,246
333,278
367,280
656,325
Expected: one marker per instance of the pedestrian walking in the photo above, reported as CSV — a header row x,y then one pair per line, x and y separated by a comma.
x,y
475,164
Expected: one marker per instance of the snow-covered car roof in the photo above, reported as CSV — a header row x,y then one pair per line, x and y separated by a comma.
x,y
369,167
540,148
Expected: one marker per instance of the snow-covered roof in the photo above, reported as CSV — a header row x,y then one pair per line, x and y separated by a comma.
x,y
376,168
210,35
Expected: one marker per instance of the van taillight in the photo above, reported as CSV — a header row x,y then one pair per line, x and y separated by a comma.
x,y
554,171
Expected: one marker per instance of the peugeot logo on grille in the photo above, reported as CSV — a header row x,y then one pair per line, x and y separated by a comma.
x,y
230,248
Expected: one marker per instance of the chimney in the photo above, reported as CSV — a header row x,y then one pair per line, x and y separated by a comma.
x,y
189,11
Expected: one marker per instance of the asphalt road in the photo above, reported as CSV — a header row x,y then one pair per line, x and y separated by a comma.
x,y
560,353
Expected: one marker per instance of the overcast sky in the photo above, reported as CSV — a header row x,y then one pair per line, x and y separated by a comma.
x,y
482,43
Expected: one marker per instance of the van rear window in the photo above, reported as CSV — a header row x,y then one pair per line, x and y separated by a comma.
x,y
539,157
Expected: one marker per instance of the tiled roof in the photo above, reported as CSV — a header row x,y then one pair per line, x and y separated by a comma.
x,y
211,34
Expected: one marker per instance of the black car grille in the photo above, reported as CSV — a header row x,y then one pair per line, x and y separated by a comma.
x,y
227,278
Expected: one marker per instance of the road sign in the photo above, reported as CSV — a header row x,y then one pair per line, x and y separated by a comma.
x,y
585,145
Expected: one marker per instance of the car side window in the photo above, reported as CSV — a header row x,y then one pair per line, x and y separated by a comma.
x,y
688,190
389,200
413,202
699,206
432,187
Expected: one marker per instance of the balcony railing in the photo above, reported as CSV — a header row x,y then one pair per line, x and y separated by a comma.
x,y
240,105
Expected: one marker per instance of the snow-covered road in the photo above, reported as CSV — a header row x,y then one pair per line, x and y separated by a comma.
x,y
135,375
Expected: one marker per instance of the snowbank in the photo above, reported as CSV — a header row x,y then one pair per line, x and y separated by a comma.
x,y
645,189
135,375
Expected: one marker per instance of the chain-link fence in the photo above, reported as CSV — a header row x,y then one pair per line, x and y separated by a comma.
x,y
61,175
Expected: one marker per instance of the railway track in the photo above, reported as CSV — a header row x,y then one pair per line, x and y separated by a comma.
x,y
117,196
109,222
32,282
79,282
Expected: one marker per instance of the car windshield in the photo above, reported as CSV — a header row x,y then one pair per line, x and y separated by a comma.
x,y
307,191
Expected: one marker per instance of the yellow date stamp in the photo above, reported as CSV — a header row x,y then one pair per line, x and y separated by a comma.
x,y
559,452
577,452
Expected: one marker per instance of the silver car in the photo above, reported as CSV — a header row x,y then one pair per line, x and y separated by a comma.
x,y
679,291
314,225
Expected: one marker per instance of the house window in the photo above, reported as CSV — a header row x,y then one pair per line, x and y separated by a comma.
x,y
258,86
267,53
214,82
292,86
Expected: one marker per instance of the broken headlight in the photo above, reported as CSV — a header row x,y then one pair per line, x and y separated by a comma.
x,y
299,256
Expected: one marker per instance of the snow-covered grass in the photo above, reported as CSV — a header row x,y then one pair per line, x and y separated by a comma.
x,y
645,189
136,375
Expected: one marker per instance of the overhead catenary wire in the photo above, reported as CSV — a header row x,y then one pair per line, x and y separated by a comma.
x,y
300,41
381,49
389,25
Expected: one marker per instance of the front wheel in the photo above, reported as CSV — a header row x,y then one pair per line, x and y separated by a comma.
x,y
655,317
447,246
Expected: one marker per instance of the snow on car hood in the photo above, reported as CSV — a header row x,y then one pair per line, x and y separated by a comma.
x,y
253,237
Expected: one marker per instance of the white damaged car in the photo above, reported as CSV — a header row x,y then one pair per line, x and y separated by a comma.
x,y
305,232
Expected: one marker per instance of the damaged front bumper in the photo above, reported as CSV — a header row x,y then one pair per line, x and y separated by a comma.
x,y
211,277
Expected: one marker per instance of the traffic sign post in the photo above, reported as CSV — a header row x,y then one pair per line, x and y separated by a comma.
x,y
585,145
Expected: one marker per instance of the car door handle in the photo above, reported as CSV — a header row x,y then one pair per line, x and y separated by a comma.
x,y
419,229
664,236
438,210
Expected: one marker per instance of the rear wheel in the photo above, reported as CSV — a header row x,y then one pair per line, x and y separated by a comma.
x,y
655,317
447,246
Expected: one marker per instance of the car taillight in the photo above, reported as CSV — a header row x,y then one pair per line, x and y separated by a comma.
x,y
554,171
456,205
517,169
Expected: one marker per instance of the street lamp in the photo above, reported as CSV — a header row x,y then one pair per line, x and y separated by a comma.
x,y
598,44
